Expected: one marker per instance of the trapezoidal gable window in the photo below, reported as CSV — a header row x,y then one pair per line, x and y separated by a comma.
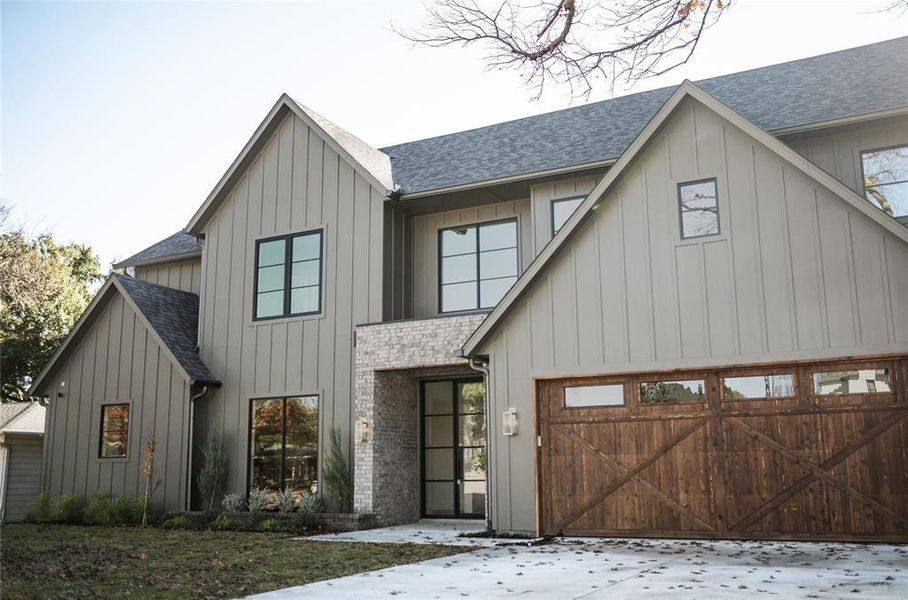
x,y
477,265
283,445
698,208
114,431
288,276
886,179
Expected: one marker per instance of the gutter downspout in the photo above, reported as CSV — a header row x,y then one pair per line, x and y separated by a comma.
x,y
484,369
192,399
5,451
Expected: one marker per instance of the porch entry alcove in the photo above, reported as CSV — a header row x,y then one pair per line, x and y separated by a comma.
x,y
453,465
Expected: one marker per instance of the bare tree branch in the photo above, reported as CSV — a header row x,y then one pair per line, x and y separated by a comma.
x,y
573,42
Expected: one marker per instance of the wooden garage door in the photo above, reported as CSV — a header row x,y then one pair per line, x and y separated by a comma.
x,y
786,452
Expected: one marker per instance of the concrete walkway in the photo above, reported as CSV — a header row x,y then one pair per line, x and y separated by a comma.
x,y
447,532
633,569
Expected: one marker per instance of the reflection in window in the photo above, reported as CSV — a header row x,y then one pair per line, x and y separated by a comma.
x,y
114,430
758,386
859,381
672,392
288,274
284,445
886,179
562,210
698,202
594,395
478,265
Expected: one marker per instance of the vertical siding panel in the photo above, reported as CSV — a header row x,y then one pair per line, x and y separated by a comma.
x,y
564,310
720,301
838,280
612,283
300,175
540,309
689,265
317,150
896,253
637,268
588,296
871,282
284,173
269,188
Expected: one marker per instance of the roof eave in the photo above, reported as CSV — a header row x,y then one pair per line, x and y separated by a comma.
x,y
157,260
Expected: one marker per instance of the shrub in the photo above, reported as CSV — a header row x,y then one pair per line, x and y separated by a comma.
x,y
233,503
312,504
98,510
258,500
270,525
177,522
67,509
338,484
214,470
41,511
126,510
222,523
286,501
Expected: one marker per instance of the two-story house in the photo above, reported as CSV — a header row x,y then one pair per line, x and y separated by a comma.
x,y
681,312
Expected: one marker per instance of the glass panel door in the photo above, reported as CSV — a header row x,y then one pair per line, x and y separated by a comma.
x,y
454,454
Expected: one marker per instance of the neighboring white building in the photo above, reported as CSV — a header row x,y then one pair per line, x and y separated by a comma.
x,y
21,444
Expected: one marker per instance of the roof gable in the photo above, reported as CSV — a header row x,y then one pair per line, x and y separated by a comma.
x,y
180,245
169,315
596,197
369,162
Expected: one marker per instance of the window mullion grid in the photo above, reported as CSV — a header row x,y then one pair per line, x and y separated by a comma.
x,y
288,266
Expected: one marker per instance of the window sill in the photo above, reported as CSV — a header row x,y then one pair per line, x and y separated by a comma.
x,y
280,320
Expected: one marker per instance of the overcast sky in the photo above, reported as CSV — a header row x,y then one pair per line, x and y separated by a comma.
x,y
118,119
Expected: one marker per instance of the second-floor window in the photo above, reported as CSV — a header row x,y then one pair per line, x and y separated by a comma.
x,y
886,179
478,264
562,209
288,276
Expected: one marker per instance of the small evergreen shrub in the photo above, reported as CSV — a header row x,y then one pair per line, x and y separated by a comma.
x,y
67,509
233,503
286,501
126,510
338,483
312,505
258,500
222,523
98,510
270,525
177,522
41,509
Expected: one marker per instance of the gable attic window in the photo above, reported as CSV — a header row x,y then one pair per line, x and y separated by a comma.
x,y
886,179
698,206
288,276
478,264
562,209
114,430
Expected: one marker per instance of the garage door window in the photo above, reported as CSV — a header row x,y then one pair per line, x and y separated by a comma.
x,y
594,395
758,386
857,381
672,392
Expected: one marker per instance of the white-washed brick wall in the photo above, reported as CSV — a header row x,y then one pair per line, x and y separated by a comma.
x,y
390,357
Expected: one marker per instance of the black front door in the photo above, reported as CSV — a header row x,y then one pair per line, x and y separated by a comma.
x,y
454,453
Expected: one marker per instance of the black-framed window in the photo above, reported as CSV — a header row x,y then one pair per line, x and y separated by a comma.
x,y
698,208
288,275
885,174
114,430
283,445
477,265
562,209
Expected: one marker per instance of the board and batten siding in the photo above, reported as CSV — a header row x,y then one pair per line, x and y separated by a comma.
x,y
185,275
23,475
397,300
117,361
295,183
425,245
796,273
838,150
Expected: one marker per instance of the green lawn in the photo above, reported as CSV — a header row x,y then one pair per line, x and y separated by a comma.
x,y
62,561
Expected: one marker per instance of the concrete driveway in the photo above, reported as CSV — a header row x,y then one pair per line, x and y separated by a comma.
x,y
615,569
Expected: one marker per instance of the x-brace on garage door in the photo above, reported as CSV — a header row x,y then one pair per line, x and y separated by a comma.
x,y
817,451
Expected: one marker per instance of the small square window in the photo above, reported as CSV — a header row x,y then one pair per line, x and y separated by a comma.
x,y
698,204
886,179
562,209
114,430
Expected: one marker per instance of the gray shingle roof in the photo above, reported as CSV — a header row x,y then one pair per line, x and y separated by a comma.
x,y
176,245
174,315
850,82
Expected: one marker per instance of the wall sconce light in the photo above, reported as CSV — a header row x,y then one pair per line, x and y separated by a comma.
x,y
362,431
509,421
